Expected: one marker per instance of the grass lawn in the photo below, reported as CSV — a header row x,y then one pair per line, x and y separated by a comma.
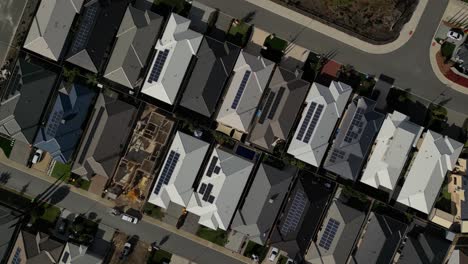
x,y
51,213
83,184
447,49
254,248
218,237
275,43
61,171
6,145
239,33
153,211
177,5
282,260
159,257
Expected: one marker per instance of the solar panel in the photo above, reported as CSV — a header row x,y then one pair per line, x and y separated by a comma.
x,y
336,154
87,23
217,169
329,233
313,124
295,213
267,106
240,91
207,192
356,122
209,172
158,65
276,103
211,199
17,256
167,171
202,188
54,123
306,121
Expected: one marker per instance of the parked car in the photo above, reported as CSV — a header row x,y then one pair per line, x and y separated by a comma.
x,y
37,156
455,34
274,254
290,261
115,212
129,218
126,250
255,258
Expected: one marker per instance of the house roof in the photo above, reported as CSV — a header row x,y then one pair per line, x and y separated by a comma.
x,y
7,230
215,61
436,156
41,248
175,49
26,99
258,211
105,138
50,27
354,139
301,216
178,188
381,240
96,32
286,94
345,223
239,116
334,99
222,183
137,34
391,149
63,129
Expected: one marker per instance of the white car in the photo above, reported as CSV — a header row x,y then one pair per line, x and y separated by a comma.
x,y
274,254
456,35
290,261
129,218
37,156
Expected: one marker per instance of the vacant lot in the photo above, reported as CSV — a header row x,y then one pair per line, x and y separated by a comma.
x,y
378,20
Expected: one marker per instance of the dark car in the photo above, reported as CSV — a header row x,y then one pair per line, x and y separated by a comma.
x,y
126,250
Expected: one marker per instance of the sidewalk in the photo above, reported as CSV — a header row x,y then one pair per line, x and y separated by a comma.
x,y
310,23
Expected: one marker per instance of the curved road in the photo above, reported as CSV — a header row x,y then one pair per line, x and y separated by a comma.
x,y
409,65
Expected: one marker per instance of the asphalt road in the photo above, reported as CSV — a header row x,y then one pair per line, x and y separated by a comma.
x,y
409,65
76,203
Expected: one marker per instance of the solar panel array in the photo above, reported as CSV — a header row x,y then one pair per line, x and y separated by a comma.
x,y
306,121
87,23
241,89
207,193
217,169
355,123
295,213
167,171
276,103
329,234
213,162
158,65
271,96
17,256
54,123
313,124
202,188
211,199
337,154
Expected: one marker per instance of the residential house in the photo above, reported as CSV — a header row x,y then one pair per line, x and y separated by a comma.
x,y
380,240
335,240
250,77
324,106
50,27
354,139
175,51
286,94
299,221
461,57
25,100
220,189
390,151
135,38
258,211
179,171
97,28
64,127
436,156
215,61
104,141
8,230
459,256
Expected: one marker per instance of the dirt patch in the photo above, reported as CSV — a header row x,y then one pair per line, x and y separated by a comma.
x,y
139,253
379,21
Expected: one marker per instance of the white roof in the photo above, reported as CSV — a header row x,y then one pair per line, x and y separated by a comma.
x,y
181,43
227,187
179,189
437,155
334,100
50,27
240,117
392,147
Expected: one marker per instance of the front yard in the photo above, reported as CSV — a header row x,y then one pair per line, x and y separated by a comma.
x,y
253,248
159,257
239,33
218,237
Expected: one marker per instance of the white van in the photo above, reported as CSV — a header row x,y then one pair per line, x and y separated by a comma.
x,y
129,218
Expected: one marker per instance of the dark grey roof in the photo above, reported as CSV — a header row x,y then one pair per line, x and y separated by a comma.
x,y
9,218
427,246
258,211
105,137
462,54
380,241
37,245
96,33
25,100
354,140
464,202
289,93
137,34
214,65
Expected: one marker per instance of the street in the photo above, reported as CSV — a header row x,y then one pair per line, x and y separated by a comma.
x,y
76,203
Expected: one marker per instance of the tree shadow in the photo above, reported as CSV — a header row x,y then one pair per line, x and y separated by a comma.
x,y
4,177
59,194
249,16
164,240
92,216
24,189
